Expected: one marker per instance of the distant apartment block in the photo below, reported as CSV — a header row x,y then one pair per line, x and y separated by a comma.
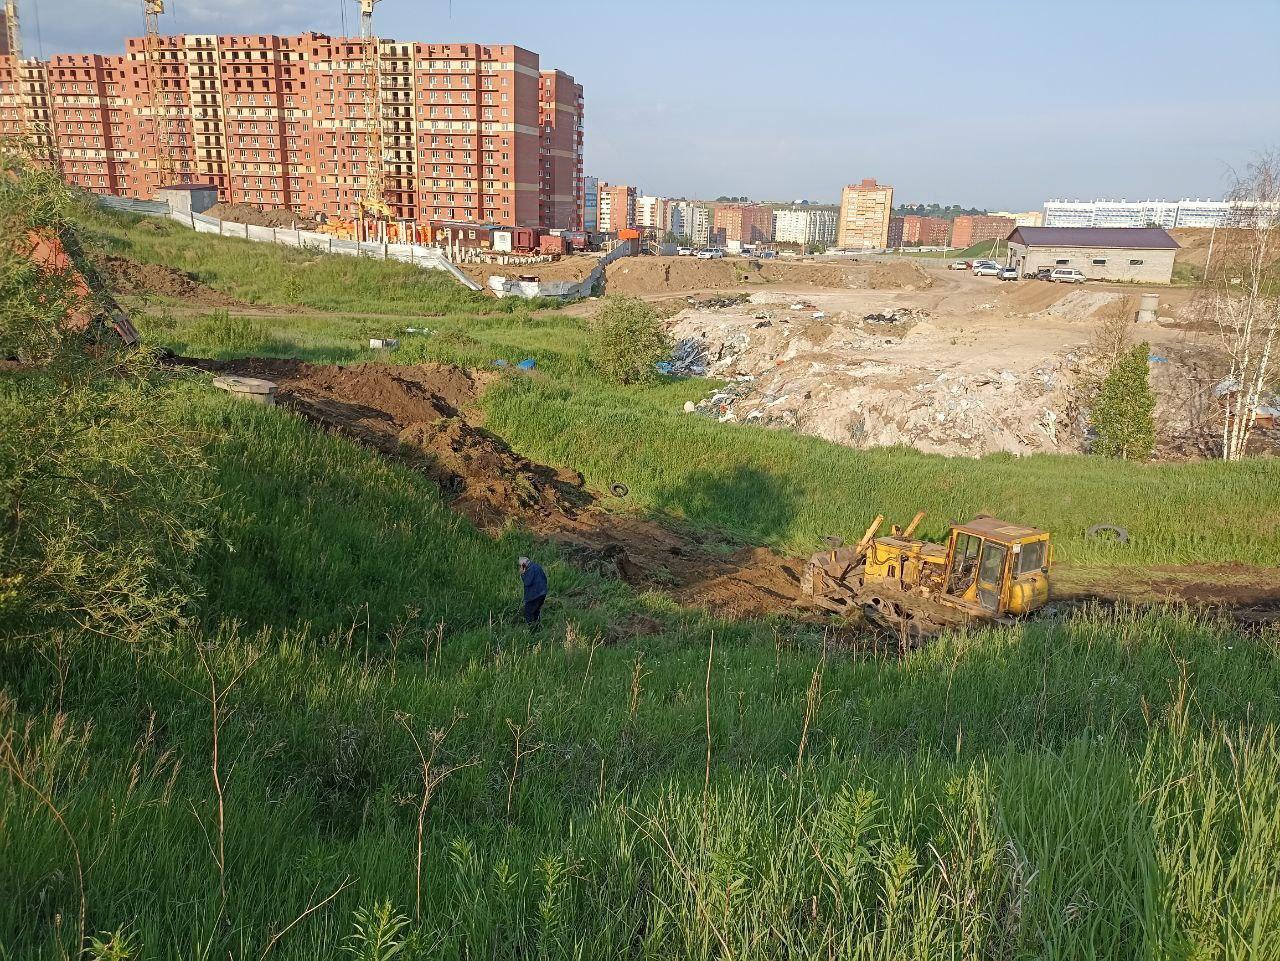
x,y
691,220
590,204
5,48
467,131
805,226
742,224
1153,213
967,231
865,210
916,231
617,207
1028,218
652,213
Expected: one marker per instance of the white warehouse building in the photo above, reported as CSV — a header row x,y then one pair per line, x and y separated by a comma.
x,y
804,226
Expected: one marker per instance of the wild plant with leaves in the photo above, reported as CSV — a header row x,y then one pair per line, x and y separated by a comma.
x,y
101,495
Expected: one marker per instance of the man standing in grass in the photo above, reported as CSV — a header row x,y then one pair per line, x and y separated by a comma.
x,y
535,591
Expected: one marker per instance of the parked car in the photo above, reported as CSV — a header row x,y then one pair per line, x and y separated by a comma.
x,y
1008,273
1066,275
959,265
684,251
983,263
987,270
711,253
1044,273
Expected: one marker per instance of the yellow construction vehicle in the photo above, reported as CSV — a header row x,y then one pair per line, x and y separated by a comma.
x,y
989,570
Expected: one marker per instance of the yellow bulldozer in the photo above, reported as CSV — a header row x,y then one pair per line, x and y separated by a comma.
x,y
989,570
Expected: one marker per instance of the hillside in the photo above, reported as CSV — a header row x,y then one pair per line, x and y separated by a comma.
x,y
354,739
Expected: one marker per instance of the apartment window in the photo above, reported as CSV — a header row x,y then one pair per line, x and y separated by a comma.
x,y
1062,263
1100,262
1135,263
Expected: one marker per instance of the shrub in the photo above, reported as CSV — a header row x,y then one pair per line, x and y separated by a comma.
x,y
1123,413
627,340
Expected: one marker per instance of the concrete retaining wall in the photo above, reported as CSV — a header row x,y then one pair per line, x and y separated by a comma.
x,y
567,289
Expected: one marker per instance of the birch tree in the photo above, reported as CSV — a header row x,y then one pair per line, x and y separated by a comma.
x,y
1243,304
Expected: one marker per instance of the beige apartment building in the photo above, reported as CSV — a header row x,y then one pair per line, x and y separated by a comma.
x,y
864,215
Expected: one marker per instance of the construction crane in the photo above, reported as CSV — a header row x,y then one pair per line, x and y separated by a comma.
x,y
373,194
12,28
152,9
37,126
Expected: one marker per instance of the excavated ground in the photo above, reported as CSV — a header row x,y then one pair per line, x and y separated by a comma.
x,y
425,415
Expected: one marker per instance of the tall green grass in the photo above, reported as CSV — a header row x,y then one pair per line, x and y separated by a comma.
x,y
1104,787
264,273
785,489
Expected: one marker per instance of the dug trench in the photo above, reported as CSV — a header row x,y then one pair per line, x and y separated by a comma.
x,y
426,416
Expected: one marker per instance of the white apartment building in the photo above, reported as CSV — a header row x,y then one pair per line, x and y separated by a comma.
x,y
690,220
1145,213
804,226
652,212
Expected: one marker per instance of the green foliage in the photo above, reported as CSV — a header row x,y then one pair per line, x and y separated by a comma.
x,y
627,339
100,497
220,335
117,945
1123,411
379,933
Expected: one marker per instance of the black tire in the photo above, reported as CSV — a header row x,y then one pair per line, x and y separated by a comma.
x,y
619,490
1120,534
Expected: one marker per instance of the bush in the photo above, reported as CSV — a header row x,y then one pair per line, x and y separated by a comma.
x,y
1123,413
100,496
627,340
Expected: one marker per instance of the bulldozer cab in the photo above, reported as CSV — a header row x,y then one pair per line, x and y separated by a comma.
x,y
998,568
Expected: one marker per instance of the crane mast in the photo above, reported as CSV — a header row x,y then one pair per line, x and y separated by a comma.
x,y
152,9
12,29
372,197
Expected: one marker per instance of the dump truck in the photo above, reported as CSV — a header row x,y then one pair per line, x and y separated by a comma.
x,y
988,570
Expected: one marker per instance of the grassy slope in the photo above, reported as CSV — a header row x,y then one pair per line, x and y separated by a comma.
x,y
871,808
1098,787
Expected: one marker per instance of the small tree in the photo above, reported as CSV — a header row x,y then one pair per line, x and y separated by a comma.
x,y
627,340
1123,413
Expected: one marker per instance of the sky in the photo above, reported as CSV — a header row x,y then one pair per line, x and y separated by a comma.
x,y
998,107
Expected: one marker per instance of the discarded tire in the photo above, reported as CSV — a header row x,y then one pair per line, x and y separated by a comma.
x,y
1119,534
619,490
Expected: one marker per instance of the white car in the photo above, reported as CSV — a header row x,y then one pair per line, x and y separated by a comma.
x,y
1067,275
987,270
684,251
710,254
958,265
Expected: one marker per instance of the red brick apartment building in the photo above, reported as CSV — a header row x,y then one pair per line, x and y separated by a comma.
x,y
743,223
967,231
469,132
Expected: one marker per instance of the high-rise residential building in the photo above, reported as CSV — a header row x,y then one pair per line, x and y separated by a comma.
x,y
561,193
591,204
467,131
925,231
895,232
691,220
742,224
4,35
1154,213
805,226
653,213
617,207
967,231
865,209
